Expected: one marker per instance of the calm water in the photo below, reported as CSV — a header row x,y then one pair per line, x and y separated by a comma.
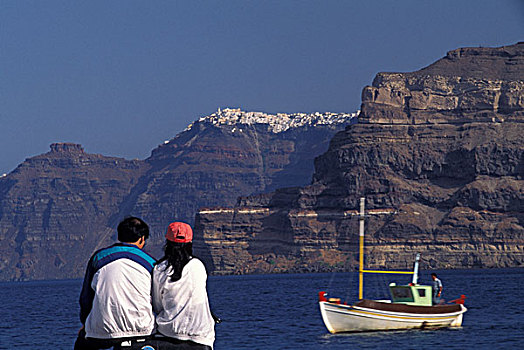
x,y
281,312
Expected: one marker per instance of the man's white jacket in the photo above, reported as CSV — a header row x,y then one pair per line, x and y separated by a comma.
x,y
115,301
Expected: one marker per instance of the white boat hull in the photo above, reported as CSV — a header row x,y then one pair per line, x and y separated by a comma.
x,y
344,318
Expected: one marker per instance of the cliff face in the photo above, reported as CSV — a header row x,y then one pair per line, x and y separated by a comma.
x,y
225,155
56,209
468,85
439,156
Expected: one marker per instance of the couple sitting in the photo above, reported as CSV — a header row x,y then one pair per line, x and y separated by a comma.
x,y
124,288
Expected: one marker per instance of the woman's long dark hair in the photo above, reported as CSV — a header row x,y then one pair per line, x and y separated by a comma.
x,y
177,256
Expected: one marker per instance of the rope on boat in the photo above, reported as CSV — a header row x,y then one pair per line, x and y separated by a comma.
x,y
331,280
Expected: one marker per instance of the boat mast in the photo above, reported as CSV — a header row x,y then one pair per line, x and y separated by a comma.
x,y
415,270
361,269
361,251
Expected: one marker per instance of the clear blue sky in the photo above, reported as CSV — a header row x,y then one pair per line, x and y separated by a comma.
x,y
120,77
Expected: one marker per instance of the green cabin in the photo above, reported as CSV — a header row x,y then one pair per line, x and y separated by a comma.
x,y
411,294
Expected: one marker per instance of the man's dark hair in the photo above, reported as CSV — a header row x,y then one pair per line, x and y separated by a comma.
x,y
434,274
131,229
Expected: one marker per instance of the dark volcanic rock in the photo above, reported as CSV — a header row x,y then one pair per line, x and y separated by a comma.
x,y
441,148
56,209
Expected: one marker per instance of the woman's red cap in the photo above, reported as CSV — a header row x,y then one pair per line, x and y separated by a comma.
x,y
179,232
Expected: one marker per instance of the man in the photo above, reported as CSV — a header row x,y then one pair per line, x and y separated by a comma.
x,y
115,302
437,289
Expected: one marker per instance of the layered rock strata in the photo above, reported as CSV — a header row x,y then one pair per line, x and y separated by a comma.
x,y
439,153
57,208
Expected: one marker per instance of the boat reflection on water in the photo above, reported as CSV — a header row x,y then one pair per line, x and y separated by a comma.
x,y
410,306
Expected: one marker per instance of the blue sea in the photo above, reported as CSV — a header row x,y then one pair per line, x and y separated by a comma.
x,y
281,312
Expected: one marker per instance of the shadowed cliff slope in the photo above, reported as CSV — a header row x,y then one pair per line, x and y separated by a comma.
x,y
225,155
56,209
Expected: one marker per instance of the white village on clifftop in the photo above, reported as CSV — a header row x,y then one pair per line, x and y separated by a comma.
x,y
276,122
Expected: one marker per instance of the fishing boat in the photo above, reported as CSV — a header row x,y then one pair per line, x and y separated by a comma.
x,y
411,305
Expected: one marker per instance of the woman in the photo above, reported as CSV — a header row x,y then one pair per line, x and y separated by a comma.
x,y
179,293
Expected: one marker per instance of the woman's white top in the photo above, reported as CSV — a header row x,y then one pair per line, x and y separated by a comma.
x,y
182,307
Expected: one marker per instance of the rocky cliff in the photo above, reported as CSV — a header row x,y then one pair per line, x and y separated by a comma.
x,y
225,155
57,208
437,153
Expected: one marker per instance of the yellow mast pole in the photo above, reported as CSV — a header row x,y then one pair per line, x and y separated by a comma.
x,y
361,270
361,251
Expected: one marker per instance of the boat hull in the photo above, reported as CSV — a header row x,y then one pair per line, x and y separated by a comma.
x,y
376,316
